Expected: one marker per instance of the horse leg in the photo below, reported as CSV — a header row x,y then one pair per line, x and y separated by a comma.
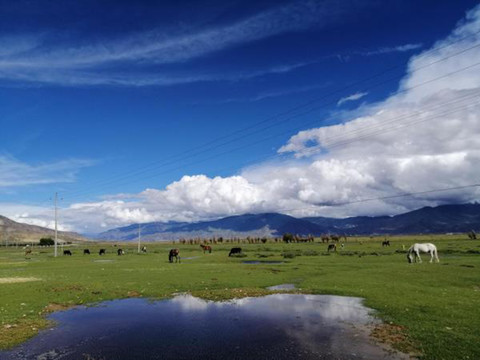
x,y
431,256
417,255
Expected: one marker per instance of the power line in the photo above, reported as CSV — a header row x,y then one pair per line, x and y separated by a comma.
x,y
359,130
409,194
145,169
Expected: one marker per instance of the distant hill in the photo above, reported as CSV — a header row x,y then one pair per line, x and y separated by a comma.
x,y
255,225
427,220
440,219
13,231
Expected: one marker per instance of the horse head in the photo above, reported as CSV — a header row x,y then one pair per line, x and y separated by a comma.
x,y
409,258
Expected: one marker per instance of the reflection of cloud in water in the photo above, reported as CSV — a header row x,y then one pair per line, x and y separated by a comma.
x,y
304,316
324,308
189,303
321,307
275,326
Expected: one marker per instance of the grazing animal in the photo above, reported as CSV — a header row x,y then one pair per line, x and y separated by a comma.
x,y
206,248
335,238
416,249
101,252
235,250
86,252
174,254
144,249
325,238
332,247
120,252
385,243
67,252
28,251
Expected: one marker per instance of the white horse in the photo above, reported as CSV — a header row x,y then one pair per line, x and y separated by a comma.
x,y
416,249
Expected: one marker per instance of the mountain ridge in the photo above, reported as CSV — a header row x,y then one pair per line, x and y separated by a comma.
x,y
439,219
13,231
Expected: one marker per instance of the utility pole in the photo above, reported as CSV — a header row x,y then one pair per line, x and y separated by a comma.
x,y
139,232
56,212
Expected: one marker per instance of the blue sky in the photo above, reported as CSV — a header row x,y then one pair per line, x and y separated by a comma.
x,y
101,98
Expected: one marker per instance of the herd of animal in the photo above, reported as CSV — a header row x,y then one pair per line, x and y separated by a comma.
x,y
413,253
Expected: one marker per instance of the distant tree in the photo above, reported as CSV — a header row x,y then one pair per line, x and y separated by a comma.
x,y
287,237
472,235
46,241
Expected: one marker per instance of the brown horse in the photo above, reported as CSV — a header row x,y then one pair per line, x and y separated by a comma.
x,y
28,251
206,248
174,254
335,238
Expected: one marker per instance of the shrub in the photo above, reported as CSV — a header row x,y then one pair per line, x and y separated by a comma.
x,y
47,241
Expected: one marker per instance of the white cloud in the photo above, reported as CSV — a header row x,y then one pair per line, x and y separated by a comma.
x,y
14,173
392,49
35,59
352,97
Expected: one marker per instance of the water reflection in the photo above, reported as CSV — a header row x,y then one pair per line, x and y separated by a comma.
x,y
280,326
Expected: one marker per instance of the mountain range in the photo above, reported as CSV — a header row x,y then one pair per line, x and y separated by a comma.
x,y
440,219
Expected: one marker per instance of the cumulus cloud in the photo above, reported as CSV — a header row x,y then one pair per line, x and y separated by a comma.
x,y
423,137
352,97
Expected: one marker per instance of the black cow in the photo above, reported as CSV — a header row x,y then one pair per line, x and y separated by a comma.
x,y
235,250
332,247
385,243
120,252
101,252
86,252
144,249
67,252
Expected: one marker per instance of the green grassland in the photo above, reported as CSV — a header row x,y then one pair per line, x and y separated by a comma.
x,y
433,309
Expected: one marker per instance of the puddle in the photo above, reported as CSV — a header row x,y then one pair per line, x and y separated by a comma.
x,y
284,287
280,326
256,262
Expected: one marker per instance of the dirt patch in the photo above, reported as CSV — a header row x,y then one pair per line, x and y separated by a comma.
x,y
133,294
395,336
13,334
12,280
52,307
67,288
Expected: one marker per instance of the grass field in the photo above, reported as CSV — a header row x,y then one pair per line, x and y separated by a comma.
x,y
430,309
